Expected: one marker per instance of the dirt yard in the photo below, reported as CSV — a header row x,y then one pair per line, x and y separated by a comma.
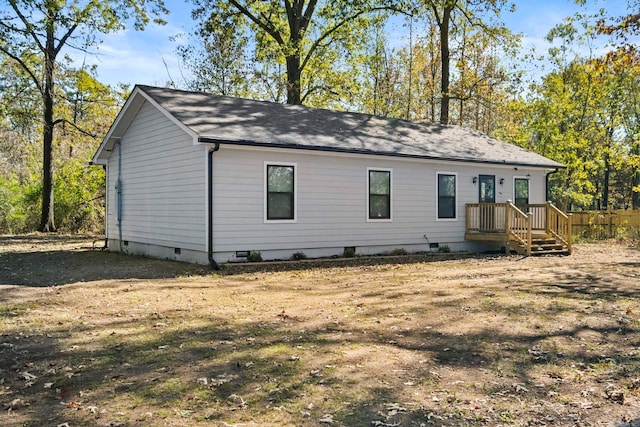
x,y
89,338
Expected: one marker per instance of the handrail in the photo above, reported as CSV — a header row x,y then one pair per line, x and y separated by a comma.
x,y
509,221
559,225
519,227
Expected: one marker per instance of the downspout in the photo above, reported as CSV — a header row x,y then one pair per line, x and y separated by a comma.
x,y
212,262
546,183
119,195
106,238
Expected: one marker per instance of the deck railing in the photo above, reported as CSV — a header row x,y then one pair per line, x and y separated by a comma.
x,y
519,226
559,225
517,223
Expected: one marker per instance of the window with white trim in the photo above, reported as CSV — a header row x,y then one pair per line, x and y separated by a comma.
x,y
447,195
280,192
379,194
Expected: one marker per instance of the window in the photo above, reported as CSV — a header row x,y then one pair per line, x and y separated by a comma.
x,y
521,191
446,195
280,192
379,202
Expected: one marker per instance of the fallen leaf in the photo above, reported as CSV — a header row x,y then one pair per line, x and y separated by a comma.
x,y
27,376
327,419
614,394
16,404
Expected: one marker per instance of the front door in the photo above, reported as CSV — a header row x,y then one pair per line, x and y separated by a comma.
x,y
487,194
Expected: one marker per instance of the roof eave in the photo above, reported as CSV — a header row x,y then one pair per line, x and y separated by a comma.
x,y
118,127
123,121
248,143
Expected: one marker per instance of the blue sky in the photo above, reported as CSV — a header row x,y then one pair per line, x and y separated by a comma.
x,y
149,57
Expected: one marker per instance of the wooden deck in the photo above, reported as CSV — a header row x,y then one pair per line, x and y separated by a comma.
x,y
542,229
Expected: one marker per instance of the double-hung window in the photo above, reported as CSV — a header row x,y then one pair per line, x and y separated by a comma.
x,y
446,196
379,194
280,192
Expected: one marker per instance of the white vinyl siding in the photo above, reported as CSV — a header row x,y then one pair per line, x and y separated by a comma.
x,y
331,202
164,197
163,185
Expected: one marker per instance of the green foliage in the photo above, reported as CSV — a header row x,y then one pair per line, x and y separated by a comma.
x,y
254,256
12,218
33,33
300,49
349,252
79,197
398,252
583,115
444,249
298,256
88,109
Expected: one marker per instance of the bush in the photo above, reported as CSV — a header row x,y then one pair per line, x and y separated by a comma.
x,y
298,256
349,252
254,256
444,249
398,251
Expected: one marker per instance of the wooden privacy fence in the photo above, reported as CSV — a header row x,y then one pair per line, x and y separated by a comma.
x,y
606,224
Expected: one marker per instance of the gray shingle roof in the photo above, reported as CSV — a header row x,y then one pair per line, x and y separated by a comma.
x,y
223,119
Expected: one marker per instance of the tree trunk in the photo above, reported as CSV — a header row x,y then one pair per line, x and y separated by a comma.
x,y
605,184
444,53
47,223
293,80
635,180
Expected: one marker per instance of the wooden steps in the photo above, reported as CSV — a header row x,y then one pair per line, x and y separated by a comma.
x,y
533,229
543,245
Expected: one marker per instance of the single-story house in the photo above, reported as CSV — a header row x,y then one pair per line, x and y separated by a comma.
x,y
208,179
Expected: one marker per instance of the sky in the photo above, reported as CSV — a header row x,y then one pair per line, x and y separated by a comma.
x,y
149,57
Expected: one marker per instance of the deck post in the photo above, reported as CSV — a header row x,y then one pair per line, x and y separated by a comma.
x,y
467,219
569,233
507,228
528,234
547,212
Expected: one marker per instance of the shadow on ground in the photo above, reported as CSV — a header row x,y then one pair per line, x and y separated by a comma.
x,y
35,261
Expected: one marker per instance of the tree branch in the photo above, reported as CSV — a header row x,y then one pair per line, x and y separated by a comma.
x,y
57,122
340,24
269,29
64,38
28,27
24,66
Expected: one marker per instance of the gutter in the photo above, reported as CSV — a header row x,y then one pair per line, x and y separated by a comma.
x,y
212,262
246,143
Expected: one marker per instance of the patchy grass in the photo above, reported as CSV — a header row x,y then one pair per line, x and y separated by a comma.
x,y
95,338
